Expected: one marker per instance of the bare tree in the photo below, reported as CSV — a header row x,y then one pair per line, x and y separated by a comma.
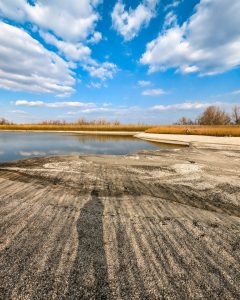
x,y
213,115
185,121
236,115
3,121
53,122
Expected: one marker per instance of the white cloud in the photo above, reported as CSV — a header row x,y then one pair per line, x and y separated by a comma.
x,y
81,54
129,22
144,83
92,110
53,104
172,5
237,92
187,106
72,51
18,111
102,71
153,92
26,65
207,43
106,110
72,113
96,85
106,104
69,26
71,20
95,38
96,110
170,20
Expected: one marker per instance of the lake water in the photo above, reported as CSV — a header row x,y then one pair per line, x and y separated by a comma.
x,y
18,145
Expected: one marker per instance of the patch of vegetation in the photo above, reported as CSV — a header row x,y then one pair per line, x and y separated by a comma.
x,y
75,127
212,122
229,130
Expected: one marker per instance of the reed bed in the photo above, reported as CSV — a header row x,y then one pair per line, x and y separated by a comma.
x,y
75,127
230,130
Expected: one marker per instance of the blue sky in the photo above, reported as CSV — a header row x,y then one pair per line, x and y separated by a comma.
x,y
149,61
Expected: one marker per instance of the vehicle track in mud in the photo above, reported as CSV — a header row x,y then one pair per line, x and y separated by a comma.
x,y
155,225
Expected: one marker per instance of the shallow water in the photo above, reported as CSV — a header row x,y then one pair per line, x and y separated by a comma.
x,y
18,145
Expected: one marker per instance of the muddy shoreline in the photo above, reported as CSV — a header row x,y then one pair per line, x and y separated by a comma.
x,y
154,225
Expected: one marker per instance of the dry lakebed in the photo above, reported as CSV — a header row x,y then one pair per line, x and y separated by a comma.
x,y
152,225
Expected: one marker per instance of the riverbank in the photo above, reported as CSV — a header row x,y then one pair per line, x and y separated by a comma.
x,y
197,141
162,224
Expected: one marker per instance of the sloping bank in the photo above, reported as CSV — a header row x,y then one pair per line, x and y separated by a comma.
x,y
198,141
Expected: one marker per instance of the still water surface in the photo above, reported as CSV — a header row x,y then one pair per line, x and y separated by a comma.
x,y
18,145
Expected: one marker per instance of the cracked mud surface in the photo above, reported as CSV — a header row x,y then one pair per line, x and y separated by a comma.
x,y
155,225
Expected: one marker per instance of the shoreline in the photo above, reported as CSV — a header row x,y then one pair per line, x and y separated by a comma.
x,y
196,141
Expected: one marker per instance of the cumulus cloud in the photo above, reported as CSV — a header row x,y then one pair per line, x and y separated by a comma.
x,y
153,92
128,23
81,54
72,51
207,43
71,20
67,25
144,83
53,104
26,65
102,71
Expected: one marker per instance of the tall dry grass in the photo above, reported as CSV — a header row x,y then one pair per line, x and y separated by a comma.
x,y
229,130
75,127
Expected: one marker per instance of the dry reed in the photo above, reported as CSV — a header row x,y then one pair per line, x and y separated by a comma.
x,y
230,130
75,127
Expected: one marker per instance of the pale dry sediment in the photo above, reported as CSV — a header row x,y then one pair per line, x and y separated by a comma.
x,y
197,141
156,225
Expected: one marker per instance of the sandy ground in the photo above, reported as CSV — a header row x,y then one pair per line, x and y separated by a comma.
x,y
198,141
155,225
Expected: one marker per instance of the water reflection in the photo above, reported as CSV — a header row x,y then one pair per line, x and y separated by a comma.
x,y
17,145
103,138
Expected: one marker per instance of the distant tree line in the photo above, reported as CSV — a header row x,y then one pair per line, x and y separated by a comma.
x,y
81,121
4,121
213,115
